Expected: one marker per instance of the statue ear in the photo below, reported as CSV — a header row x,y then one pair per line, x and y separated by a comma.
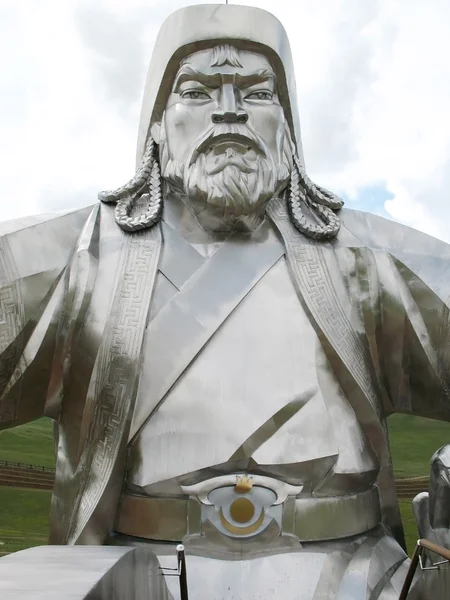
x,y
155,132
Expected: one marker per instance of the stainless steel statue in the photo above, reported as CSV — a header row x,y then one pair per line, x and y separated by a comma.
x,y
219,344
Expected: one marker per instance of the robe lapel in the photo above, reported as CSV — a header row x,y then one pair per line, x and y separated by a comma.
x,y
190,319
112,390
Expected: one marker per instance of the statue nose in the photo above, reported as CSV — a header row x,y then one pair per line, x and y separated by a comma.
x,y
229,117
228,110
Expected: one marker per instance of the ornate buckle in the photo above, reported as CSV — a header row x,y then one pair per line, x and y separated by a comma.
x,y
241,506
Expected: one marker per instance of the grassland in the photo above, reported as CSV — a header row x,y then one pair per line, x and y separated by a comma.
x,y
30,444
413,442
23,518
24,513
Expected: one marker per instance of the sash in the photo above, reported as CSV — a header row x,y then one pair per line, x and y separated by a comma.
x,y
190,318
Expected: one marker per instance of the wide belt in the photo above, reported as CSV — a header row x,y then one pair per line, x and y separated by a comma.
x,y
307,518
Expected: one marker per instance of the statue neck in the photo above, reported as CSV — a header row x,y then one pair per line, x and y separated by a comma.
x,y
181,218
178,216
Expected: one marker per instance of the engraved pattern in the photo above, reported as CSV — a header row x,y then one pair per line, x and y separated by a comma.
x,y
11,304
312,277
117,372
12,319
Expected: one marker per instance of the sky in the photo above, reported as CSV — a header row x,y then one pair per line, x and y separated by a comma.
x,y
373,84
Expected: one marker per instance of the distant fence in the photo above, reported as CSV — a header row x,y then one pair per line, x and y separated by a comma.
x,y
18,465
406,488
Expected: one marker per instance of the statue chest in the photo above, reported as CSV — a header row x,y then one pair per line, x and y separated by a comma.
x,y
261,388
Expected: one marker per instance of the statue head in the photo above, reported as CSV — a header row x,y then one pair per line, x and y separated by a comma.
x,y
223,140
219,125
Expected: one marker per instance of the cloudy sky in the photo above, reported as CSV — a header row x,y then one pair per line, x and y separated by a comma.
x,y
373,81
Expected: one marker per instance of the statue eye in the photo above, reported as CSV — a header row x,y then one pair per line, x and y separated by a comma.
x,y
261,95
195,95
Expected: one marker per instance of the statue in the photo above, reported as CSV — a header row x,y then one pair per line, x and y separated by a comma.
x,y
219,345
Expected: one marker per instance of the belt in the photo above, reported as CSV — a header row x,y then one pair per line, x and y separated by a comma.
x,y
240,512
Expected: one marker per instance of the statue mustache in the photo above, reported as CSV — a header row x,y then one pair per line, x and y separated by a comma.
x,y
241,134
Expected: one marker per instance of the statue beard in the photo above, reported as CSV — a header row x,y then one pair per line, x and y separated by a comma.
x,y
230,190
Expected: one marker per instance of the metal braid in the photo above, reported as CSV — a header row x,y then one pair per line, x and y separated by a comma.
x,y
317,194
320,201
137,182
147,179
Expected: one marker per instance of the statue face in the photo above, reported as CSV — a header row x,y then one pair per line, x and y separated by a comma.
x,y
224,141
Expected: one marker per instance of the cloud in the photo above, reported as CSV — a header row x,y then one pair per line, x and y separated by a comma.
x,y
330,102
373,84
116,47
398,129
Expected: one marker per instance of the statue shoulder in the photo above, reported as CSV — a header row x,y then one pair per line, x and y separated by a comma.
x,y
40,243
381,233
56,221
423,255
33,253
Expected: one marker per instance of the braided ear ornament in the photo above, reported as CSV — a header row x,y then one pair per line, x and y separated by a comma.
x,y
146,180
321,202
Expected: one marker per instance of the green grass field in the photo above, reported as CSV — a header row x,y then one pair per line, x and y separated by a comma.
x,y
23,518
24,513
30,444
413,442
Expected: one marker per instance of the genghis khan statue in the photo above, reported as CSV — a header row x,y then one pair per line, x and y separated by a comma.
x,y
219,344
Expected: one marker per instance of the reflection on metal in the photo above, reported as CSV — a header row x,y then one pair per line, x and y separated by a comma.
x,y
82,573
220,349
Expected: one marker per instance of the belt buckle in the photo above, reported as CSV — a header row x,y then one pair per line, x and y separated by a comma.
x,y
240,506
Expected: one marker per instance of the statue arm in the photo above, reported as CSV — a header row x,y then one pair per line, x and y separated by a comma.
x,y
34,253
405,301
425,302
415,350
26,361
414,346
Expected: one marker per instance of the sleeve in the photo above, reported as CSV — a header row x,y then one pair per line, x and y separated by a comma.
x,y
34,253
415,339
404,291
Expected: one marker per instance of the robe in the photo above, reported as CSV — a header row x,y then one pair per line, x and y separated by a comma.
x,y
76,295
